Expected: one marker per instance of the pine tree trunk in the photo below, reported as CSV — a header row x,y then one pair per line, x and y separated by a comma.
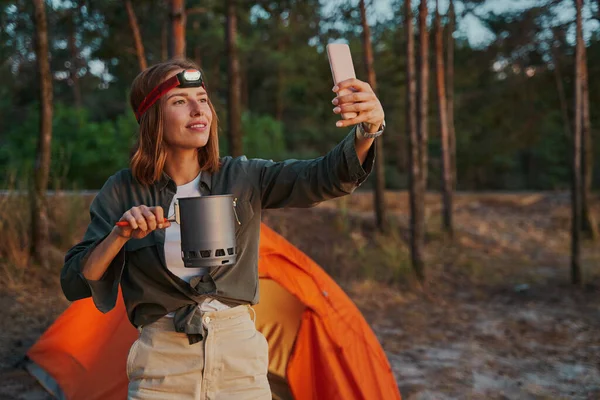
x,y
178,28
443,121
450,92
576,168
423,91
416,189
379,189
39,215
137,37
588,221
234,94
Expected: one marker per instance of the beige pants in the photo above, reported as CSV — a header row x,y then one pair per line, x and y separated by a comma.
x,y
230,363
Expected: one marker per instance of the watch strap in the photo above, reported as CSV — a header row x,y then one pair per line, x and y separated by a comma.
x,y
360,129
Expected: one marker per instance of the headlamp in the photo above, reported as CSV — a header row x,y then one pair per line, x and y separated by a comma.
x,y
185,79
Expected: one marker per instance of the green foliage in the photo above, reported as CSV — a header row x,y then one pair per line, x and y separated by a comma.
x,y
263,137
84,153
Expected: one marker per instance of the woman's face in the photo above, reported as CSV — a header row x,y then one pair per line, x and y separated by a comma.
x,y
187,117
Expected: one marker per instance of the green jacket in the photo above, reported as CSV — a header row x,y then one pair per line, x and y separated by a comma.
x,y
149,289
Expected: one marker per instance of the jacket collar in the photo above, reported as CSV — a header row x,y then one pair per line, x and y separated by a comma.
x,y
205,180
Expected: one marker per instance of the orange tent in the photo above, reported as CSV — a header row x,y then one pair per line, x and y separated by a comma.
x,y
320,346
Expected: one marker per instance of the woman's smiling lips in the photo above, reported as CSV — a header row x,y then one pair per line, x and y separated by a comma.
x,y
197,126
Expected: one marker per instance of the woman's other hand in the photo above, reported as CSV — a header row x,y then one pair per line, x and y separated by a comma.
x,y
142,220
363,101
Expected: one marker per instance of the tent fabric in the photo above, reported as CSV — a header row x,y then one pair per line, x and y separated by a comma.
x,y
336,354
280,332
316,335
85,351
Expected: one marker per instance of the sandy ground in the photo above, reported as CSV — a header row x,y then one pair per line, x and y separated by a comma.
x,y
498,318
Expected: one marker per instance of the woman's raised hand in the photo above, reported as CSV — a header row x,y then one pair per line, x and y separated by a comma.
x,y
139,221
362,101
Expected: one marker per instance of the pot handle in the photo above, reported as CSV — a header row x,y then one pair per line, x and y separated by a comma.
x,y
177,217
235,212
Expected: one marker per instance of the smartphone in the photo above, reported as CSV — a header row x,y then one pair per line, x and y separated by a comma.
x,y
342,68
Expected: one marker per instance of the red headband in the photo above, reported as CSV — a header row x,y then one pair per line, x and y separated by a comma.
x,y
186,78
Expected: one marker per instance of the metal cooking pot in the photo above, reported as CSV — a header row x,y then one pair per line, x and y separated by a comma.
x,y
208,230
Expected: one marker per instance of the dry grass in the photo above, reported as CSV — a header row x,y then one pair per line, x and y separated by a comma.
x,y
14,246
68,217
498,236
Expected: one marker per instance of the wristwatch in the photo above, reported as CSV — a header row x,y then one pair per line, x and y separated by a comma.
x,y
360,131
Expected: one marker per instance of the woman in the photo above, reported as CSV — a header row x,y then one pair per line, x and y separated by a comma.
x,y
197,334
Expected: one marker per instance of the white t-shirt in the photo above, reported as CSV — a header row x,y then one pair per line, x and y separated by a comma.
x,y
173,246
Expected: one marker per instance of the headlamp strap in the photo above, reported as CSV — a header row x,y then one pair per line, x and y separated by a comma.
x,y
162,89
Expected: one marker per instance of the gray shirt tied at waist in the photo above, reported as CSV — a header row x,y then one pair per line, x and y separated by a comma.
x,y
149,289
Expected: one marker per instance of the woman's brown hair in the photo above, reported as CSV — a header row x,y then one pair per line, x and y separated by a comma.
x,y
149,155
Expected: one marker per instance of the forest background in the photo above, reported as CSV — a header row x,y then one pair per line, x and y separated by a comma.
x,y
512,88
